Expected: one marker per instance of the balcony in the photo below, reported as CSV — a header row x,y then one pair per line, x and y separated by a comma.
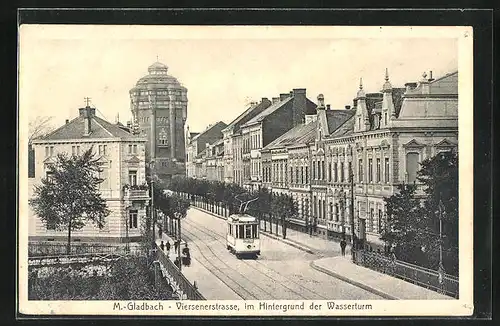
x,y
136,192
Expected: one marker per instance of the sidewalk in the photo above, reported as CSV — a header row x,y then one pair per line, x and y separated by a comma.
x,y
208,284
381,284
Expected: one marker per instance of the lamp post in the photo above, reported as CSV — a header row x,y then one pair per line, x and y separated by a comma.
x,y
441,270
151,166
351,177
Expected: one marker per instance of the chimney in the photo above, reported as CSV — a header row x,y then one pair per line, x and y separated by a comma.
x,y
347,107
284,96
67,121
410,86
264,99
299,106
430,77
276,100
328,106
87,121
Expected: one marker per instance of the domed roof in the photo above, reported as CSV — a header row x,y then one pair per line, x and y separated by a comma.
x,y
157,78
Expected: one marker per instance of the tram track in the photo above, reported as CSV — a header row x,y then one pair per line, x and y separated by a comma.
x,y
225,270
276,277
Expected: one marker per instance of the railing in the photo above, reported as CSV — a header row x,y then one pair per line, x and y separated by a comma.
x,y
422,276
57,249
136,193
188,289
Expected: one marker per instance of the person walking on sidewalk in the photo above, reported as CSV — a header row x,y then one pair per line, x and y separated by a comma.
x,y
343,244
168,246
176,245
159,231
162,246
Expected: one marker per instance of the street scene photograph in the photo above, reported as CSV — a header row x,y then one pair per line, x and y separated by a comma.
x,y
180,170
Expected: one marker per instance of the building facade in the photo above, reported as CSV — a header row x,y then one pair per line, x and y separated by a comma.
x,y
121,155
196,149
332,160
158,103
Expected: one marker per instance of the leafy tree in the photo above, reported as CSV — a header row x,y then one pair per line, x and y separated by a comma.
x,y
69,196
404,224
439,175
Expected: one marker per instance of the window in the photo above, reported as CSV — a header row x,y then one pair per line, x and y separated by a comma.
x,y
320,173
77,150
380,222
51,150
330,172
314,170
302,175
254,231
134,149
296,175
323,174
241,231
385,118
336,212
132,219
331,211
378,169
386,170
370,170
412,166
49,175
291,175
307,175
335,172
360,170
46,151
248,231
130,149
349,170
370,221
73,150
342,172
132,178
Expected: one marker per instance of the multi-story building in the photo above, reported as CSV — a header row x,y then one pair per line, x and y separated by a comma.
x,y
286,112
196,148
158,103
215,161
232,141
380,142
121,155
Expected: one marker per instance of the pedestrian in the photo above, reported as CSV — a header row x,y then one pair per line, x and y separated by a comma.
x,y
176,245
168,246
159,231
162,246
343,244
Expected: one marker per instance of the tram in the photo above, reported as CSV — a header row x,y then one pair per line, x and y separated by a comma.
x,y
242,235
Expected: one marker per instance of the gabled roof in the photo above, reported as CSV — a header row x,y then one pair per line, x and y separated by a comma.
x,y
220,123
249,113
336,118
300,134
259,117
100,128
345,129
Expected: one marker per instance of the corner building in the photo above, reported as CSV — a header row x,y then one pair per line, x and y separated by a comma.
x,y
159,107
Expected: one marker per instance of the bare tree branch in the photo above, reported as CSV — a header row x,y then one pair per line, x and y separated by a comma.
x,y
39,127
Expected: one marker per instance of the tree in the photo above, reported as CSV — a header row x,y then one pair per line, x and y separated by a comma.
x,y
439,175
39,127
404,224
69,197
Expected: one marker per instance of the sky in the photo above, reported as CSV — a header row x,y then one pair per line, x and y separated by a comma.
x,y
223,68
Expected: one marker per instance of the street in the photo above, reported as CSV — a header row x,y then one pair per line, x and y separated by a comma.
x,y
281,271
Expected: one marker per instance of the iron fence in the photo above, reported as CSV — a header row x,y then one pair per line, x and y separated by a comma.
x,y
190,290
421,276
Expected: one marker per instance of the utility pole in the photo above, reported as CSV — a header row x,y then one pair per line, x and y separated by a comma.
x,y
152,165
351,176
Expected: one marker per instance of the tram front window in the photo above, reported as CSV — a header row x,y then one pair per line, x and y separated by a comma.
x,y
254,231
248,231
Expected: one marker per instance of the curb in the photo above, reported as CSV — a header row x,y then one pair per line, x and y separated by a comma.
x,y
310,251
352,282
